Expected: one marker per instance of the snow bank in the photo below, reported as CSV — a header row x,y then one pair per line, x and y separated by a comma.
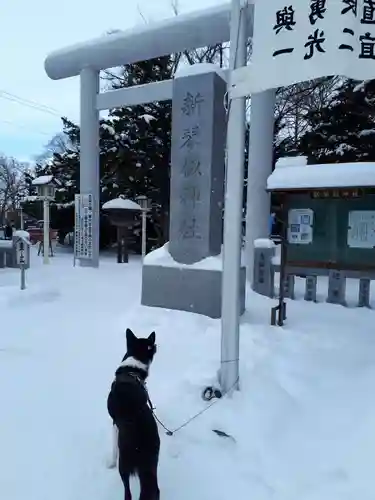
x,y
302,425
323,176
121,203
162,257
199,69
42,180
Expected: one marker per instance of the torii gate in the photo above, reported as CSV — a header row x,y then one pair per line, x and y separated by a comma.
x,y
228,22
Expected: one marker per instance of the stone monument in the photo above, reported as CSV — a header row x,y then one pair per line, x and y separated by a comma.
x,y
186,270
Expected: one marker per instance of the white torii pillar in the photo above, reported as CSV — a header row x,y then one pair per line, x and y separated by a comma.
x,y
230,316
262,119
89,153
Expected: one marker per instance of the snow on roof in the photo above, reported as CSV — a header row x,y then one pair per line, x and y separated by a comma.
x,y
121,203
42,179
20,233
199,69
141,43
291,161
334,175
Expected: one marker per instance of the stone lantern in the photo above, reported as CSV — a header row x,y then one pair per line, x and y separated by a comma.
x,y
45,187
122,214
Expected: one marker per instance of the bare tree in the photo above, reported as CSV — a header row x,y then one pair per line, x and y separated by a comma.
x,y
219,54
12,184
58,144
294,103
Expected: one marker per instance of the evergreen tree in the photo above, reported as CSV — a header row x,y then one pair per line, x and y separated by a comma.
x,y
142,136
343,131
134,149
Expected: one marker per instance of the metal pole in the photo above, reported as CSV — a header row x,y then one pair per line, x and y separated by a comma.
x,y
45,231
229,373
22,221
262,118
144,232
89,154
23,278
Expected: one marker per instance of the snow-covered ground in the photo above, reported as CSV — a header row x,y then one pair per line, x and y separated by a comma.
x,y
303,424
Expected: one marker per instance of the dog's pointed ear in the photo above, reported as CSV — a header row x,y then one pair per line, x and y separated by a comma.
x,y
152,338
130,337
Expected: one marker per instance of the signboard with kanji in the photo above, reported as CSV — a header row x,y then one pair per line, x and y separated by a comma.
x,y
302,40
361,229
83,226
21,252
300,226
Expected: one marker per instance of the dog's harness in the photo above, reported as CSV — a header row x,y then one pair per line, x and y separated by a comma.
x,y
134,378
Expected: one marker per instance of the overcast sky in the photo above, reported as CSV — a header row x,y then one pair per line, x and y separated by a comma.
x,y
29,31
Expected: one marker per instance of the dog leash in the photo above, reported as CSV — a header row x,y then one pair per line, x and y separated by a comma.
x,y
170,432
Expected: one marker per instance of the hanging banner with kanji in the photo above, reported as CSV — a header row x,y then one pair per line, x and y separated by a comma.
x,y
83,246
299,40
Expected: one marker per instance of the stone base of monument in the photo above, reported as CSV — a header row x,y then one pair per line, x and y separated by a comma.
x,y
194,288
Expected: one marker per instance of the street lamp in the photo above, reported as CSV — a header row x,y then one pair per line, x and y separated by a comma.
x,y
144,203
22,216
46,187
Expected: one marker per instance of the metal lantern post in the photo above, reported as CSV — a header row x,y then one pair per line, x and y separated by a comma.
x,y
45,186
45,230
22,224
144,204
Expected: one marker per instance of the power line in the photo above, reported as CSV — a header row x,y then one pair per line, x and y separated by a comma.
x,y
29,103
24,126
38,106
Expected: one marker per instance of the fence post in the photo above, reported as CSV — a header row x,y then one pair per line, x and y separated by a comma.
x,y
310,288
364,293
289,284
336,288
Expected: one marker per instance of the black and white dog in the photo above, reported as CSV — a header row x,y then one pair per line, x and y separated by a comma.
x,y
136,437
